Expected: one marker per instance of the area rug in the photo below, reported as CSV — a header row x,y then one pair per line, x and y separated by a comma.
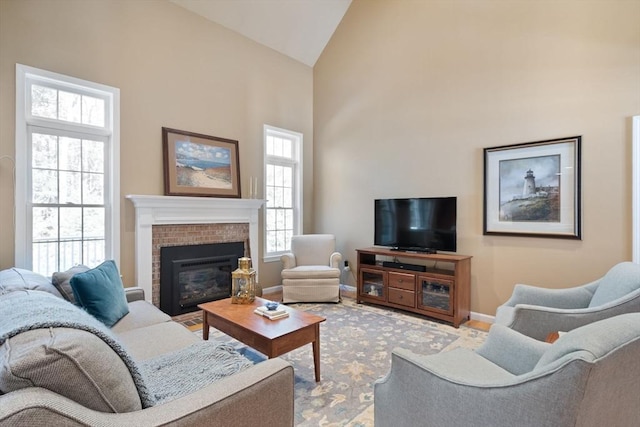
x,y
356,342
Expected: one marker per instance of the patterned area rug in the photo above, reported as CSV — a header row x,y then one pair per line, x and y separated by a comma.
x,y
355,350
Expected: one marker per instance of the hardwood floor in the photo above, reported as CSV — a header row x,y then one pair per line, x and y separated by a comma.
x,y
193,321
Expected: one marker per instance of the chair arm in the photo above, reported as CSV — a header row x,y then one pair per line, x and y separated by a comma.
x,y
335,259
134,293
288,260
212,405
524,352
537,322
424,391
578,297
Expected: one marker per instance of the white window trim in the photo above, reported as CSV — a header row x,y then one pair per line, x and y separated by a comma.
x,y
298,179
25,73
636,187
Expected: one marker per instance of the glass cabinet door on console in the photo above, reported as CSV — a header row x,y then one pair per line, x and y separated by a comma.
x,y
435,294
372,283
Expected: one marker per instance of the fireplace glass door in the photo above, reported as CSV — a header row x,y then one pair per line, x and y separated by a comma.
x,y
194,274
202,280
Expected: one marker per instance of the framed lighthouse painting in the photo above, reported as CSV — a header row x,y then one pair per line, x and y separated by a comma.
x,y
533,189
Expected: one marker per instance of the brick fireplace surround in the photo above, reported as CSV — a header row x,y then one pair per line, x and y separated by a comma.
x,y
190,234
175,221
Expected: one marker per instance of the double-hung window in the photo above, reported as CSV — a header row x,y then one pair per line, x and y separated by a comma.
x,y
67,187
283,189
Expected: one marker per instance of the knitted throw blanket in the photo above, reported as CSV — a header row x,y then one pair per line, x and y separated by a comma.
x,y
184,371
29,310
158,380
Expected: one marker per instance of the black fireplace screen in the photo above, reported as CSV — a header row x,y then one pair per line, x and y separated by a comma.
x,y
193,274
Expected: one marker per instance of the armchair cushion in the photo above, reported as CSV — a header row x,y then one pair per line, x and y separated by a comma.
x,y
621,280
458,366
100,292
524,352
313,249
311,272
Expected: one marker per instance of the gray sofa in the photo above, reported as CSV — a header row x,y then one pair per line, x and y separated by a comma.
x,y
588,377
107,394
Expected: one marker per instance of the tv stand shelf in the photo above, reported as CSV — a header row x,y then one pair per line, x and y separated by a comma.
x,y
441,291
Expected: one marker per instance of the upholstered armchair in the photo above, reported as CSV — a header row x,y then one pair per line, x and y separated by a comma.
x,y
311,271
536,312
588,377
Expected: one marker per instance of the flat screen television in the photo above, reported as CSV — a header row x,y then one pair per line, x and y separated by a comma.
x,y
426,224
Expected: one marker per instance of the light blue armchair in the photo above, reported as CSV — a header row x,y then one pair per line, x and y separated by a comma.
x,y
588,377
536,312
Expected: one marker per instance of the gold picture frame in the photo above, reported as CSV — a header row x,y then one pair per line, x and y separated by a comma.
x,y
200,165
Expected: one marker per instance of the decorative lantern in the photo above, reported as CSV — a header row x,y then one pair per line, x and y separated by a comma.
x,y
243,283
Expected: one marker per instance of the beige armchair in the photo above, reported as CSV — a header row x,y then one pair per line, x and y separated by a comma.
x,y
311,271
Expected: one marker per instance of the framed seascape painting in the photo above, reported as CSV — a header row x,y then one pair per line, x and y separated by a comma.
x,y
533,189
200,165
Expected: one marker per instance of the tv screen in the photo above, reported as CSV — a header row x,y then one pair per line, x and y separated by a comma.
x,y
420,224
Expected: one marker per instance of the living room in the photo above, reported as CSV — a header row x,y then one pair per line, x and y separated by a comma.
x,y
401,103
419,87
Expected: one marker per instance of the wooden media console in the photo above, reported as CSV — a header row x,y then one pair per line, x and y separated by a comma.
x,y
441,291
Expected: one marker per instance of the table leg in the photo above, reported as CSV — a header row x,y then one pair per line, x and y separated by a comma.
x,y
316,353
205,326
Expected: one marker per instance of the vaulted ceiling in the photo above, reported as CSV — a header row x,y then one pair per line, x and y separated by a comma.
x,y
297,28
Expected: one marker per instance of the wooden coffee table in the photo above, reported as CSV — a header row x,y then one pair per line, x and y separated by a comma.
x,y
270,337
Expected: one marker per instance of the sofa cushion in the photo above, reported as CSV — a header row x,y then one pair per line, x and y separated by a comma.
x,y
61,279
621,280
71,362
100,292
154,340
141,314
13,279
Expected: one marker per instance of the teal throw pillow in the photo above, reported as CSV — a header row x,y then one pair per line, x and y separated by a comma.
x,y
100,292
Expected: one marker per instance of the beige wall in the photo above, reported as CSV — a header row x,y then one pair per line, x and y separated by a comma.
x,y
174,69
408,93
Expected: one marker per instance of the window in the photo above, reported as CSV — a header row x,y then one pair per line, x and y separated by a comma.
x,y
283,189
67,156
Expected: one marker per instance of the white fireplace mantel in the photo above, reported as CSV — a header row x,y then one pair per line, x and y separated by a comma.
x,y
165,210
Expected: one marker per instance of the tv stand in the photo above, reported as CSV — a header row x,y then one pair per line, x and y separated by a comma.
x,y
442,291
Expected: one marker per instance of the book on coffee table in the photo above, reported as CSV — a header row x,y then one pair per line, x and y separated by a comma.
x,y
271,314
278,310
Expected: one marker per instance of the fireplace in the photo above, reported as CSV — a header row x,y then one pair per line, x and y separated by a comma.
x,y
178,220
194,274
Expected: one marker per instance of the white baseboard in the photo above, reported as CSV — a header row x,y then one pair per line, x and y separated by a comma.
x,y
272,290
473,315
482,317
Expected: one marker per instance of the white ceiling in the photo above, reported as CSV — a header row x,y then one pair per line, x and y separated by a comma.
x,y
297,28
